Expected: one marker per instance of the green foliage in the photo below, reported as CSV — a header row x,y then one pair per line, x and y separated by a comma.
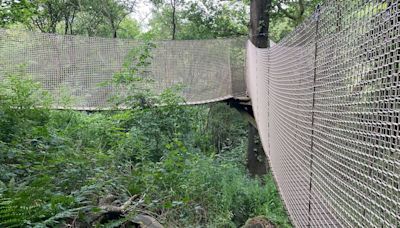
x,y
23,107
203,19
207,19
129,29
132,82
25,205
228,128
287,14
211,19
200,20
12,11
161,153
105,18
203,190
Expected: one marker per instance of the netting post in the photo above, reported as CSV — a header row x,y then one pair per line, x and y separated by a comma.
x,y
317,16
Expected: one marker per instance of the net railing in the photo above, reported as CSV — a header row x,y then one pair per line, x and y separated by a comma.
x,y
81,67
327,102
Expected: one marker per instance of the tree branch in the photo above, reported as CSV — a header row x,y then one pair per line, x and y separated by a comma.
x,y
285,12
173,4
301,8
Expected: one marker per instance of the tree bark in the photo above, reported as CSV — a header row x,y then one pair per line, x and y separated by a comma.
x,y
257,163
259,22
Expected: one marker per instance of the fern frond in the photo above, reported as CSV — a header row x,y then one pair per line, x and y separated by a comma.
x,y
13,214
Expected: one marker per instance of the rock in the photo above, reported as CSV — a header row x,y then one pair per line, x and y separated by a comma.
x,y
259,222
145,221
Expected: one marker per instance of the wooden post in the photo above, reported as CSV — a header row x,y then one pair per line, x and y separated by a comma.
x,y
257,163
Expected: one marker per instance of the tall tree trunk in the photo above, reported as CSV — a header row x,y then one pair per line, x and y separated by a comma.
x,y
259,22
173,4
257,163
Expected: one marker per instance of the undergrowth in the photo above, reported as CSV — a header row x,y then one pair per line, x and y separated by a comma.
x,y
57,165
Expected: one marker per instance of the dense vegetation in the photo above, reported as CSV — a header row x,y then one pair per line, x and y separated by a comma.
x,y
58,166
184,166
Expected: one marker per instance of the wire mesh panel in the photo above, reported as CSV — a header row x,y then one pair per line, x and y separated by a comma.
x,y
327,102
79,65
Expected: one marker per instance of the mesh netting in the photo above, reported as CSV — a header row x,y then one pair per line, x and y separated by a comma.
x,y
327,103
80,65
326,100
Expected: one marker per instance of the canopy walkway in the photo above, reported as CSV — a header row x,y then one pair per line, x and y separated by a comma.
x,y
326,100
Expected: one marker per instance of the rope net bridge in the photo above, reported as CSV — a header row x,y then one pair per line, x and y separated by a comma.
x,y
326,100
207,70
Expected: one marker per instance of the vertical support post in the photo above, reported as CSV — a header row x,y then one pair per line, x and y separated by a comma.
x,y
317,16
338,17
257,163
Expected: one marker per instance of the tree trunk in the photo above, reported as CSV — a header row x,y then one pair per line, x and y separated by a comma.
x,y
114,29
173,4
257,163
259,22
66,18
